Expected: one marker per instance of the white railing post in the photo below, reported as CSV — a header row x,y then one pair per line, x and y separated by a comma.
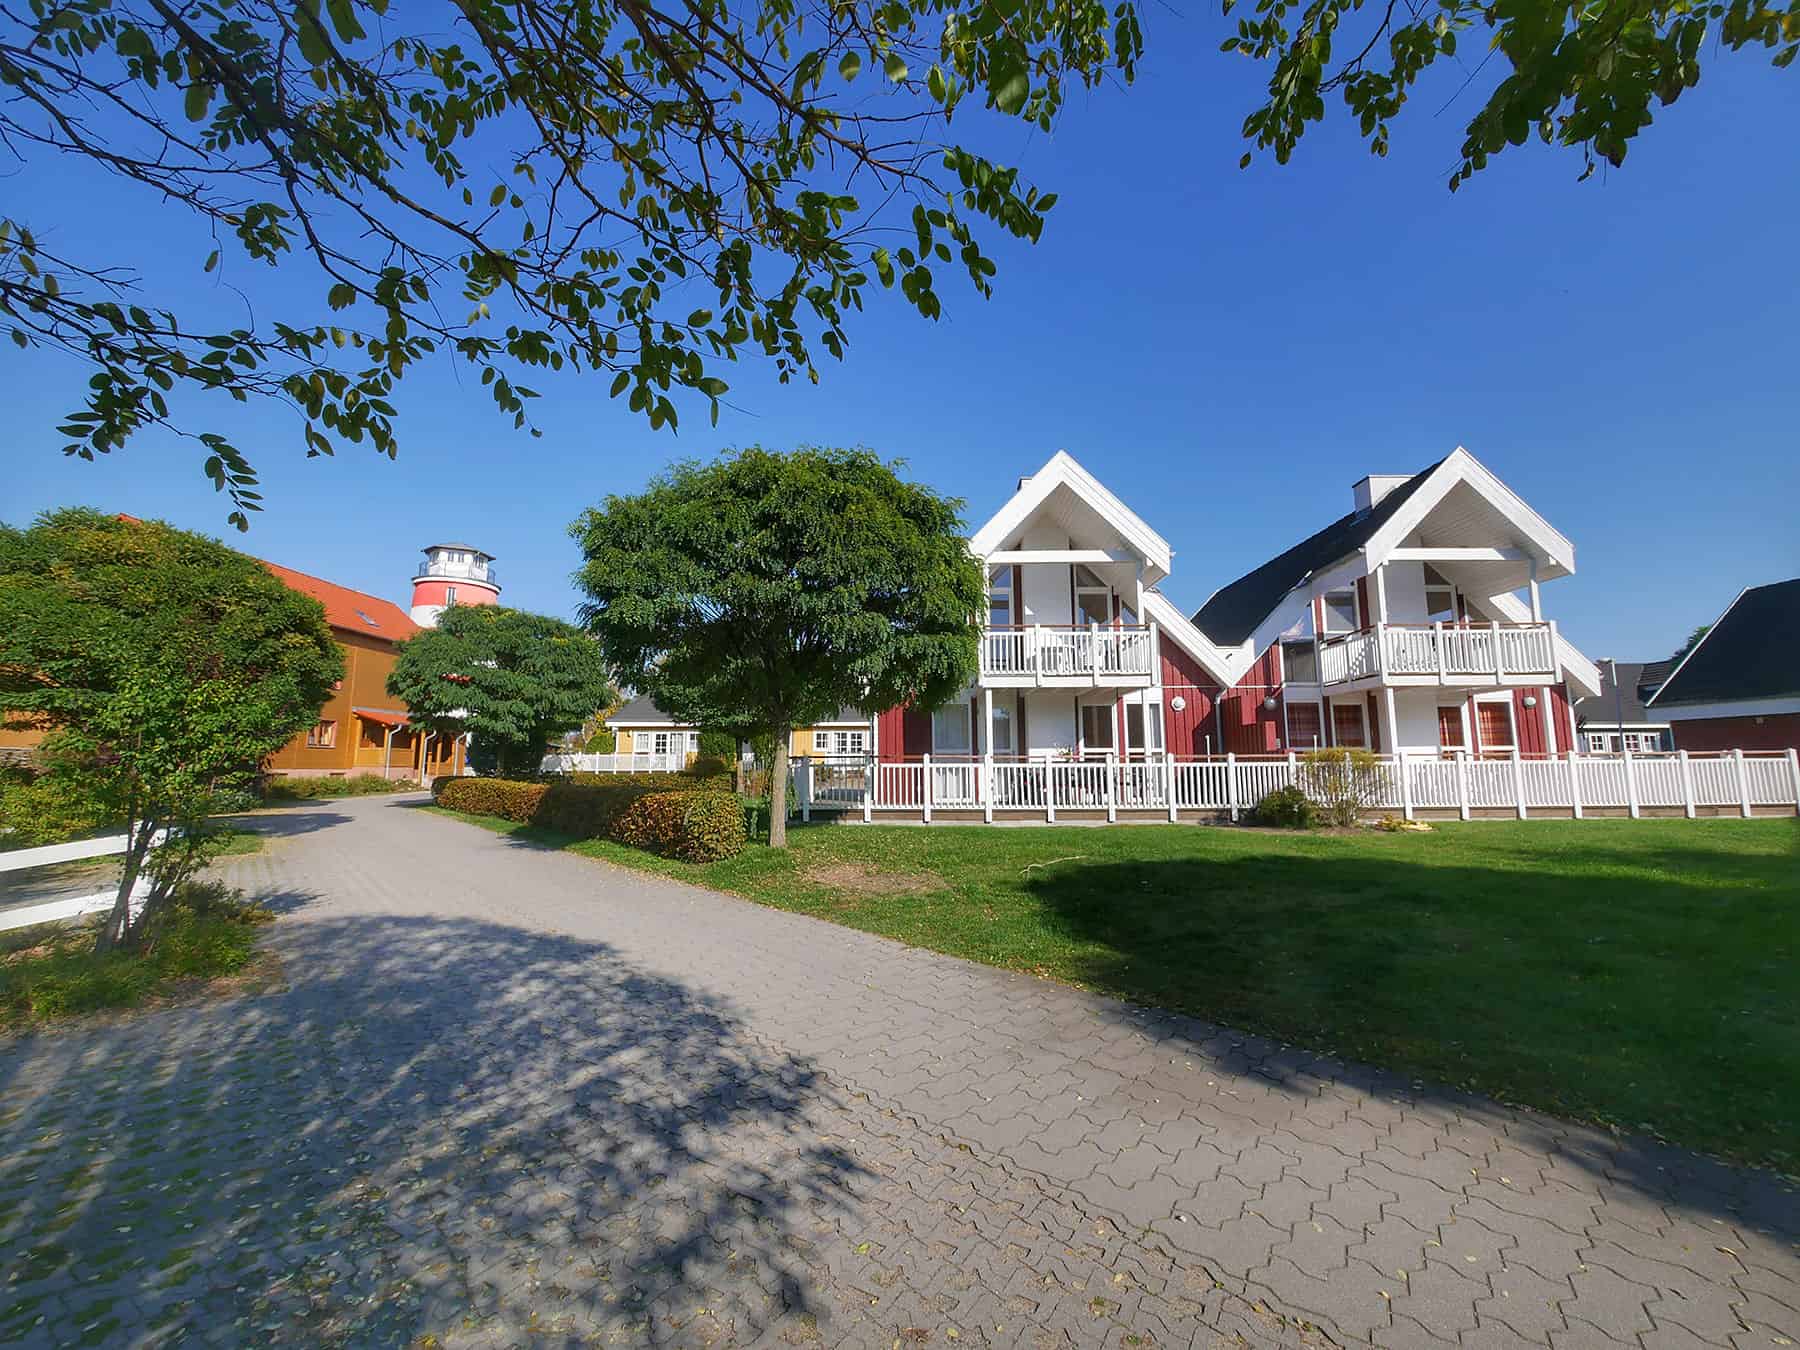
x,y
1112,788
1575,783
1169,783
1631,792
1499,656
1518,782
926,790
1034,650
1687,783
1231,797
987,788
1437,641
1293,778
1737,757
1406,806
1555,662
1050,791
871,776
1462,783
803,786
1793,759
1094,646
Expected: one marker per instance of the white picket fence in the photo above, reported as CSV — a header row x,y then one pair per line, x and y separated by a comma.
x,y
1741,781
626,761
69,907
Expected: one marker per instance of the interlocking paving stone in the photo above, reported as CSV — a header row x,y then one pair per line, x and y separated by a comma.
x,y
509,1095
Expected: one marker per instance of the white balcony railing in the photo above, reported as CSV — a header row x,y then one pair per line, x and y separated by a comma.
x,y
1068,655
1494,651
469,571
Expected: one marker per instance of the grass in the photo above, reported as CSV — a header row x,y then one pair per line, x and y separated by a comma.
x,y
1637,973
50,972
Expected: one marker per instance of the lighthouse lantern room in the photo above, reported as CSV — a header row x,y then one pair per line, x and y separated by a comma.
x,y
452,574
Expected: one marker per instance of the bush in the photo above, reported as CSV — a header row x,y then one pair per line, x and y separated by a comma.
x,y
708,766
718,745
1288,808
50,808
602,742
280,788
1344,782
677,815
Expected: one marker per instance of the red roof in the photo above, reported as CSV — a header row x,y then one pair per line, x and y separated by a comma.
x,y
351,611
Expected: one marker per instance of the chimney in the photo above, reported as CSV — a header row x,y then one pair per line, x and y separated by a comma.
x,y
1371,489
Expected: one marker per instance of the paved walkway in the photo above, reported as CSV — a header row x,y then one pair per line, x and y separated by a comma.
x,y
516,1097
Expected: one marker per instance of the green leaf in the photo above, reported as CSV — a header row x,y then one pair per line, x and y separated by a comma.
x,y
894,67
849,65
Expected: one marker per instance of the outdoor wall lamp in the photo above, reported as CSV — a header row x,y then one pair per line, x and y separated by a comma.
x,y
1271,703
1178,703
1531,700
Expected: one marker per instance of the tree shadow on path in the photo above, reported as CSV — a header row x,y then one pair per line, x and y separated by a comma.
x,y
447,1128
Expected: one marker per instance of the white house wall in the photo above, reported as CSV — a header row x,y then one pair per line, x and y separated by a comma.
x,y
1416,712
1404,584
1050,721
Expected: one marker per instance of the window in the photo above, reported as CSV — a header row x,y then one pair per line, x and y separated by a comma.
x,y
449,595
1300,662
1440,598
323,736
842,742
1002,737
1450,727
1137,725
1340,612
1000,605
1096,727
1093,598
950,730
1347,724
1305,731
1599,743
1495,723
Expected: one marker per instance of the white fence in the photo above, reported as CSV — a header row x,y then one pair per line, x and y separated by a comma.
x,y
1567,784
1448,651
628,761
1096,652
69,907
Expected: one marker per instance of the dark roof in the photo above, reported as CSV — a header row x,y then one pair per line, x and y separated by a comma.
x,y
639,709
1604,709
470,547
1653,674
1233,613
1753,651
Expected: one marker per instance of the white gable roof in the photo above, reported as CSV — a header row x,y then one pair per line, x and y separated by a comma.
x,y
1461,467
1062,470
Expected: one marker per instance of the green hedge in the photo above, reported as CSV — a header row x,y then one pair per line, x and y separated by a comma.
x,y
279,787
682,816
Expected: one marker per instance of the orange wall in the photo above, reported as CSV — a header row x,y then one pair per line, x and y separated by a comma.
x,y
367,662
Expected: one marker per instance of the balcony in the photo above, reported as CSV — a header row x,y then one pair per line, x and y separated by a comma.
x,y
449,571
1405,654
1069,658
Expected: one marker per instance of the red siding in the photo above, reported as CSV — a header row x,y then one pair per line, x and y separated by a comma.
x,y
1778,731
1365,615
1528,723
1565,719
1374,713
1251,728
903,733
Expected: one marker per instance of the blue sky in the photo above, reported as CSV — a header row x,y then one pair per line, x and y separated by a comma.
x,y
1227,350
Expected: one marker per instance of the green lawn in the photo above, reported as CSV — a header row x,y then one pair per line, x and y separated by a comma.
x,y
1642,973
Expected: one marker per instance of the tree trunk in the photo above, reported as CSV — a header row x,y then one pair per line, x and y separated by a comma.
x,y
778,794
118,923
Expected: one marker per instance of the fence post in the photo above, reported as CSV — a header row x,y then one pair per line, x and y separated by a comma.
x,y
1518,782
1743,783
1499,656
1231,783
1437,642
803,786
1575,783
1687,783
1112,789
1050,791
1169,783
1406,806
1793,759
1631,795
871,775
1462,783
987,788
925,790
1094,648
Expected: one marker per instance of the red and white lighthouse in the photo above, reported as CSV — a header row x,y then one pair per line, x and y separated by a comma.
x,y
452,574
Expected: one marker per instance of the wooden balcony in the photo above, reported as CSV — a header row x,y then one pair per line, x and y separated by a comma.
x,y
1450,654
1041,656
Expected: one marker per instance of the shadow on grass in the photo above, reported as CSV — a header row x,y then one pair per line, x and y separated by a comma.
x,y
1650,1004
446,1124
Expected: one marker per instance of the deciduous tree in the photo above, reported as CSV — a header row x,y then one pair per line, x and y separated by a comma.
x,y
166,666
640,189
765,591
1587,74
516,681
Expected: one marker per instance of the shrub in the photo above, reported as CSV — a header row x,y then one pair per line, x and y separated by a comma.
x,y
1344,782
1288,808
602,742
718,745
501,797
676,815
709,766
281,788
44,808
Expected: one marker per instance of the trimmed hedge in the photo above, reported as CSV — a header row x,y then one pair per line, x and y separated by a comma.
x,y
681,816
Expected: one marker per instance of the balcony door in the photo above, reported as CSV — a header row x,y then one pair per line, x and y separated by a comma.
x,y
1093,599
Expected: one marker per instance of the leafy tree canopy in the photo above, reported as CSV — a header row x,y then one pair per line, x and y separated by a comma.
x,y
640,188
165,665
1578,73
765,591
1693,641
515,680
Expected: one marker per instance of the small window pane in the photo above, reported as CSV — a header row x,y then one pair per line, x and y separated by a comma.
x,y
1340,612
1083,577
1303,726
1093,607
950,730
1003,734
1097,726
1299,662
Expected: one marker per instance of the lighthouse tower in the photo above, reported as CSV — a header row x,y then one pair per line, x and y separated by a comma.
x,y
452,574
